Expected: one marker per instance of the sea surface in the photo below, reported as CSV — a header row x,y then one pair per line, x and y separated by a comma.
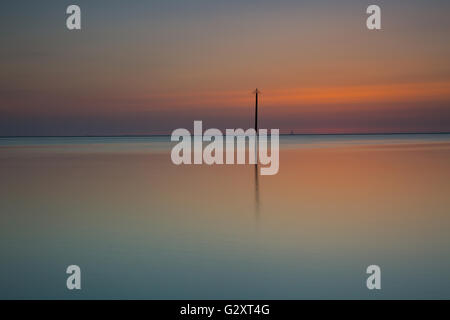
x,y
141,227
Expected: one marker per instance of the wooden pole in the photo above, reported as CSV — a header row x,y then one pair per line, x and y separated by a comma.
x,y
256,110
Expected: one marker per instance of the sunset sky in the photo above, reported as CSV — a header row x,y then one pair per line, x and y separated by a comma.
x,y
149,67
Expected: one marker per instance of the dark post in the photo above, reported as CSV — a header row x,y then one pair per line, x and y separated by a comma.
x,y
256,157
256,110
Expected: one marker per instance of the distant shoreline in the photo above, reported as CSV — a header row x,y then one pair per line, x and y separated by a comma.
x,y
281,134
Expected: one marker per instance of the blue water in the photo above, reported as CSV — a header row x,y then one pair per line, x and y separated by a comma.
x,y
141,227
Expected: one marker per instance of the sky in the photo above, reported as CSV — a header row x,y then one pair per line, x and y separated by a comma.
x,y
149,67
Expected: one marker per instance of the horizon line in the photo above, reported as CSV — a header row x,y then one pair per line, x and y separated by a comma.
x,y
167,135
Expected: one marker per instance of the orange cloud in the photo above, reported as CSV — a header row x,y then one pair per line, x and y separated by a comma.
x,y
322,95
354,94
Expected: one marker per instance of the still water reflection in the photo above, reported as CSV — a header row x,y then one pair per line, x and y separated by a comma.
x,y
141,227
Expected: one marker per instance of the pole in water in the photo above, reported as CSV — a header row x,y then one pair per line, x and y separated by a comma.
x,y
256,92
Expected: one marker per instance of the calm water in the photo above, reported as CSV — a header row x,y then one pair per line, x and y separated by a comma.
x,y
141,227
